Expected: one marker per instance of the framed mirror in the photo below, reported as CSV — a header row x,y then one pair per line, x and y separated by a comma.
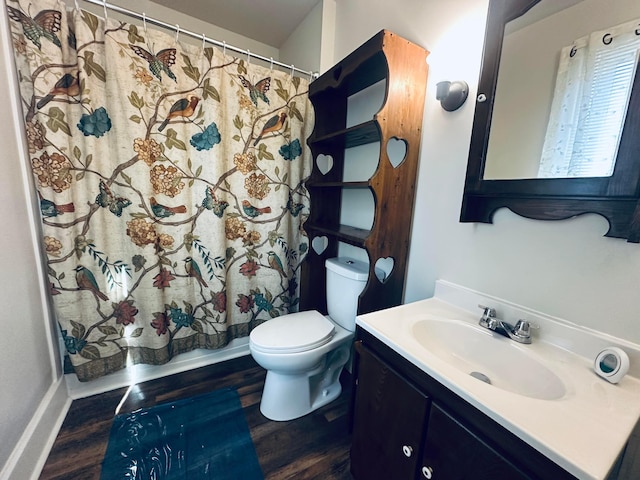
x,y
494,178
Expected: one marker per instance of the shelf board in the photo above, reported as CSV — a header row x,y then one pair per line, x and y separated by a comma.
x,y
355,136
344,233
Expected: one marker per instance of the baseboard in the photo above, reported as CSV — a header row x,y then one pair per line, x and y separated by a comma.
x,y
141,373
31,451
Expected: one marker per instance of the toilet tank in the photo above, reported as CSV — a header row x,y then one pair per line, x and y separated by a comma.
x,y
346,279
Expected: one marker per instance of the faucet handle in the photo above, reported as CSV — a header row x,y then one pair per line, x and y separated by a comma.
x,y
523,328
488,311
488,319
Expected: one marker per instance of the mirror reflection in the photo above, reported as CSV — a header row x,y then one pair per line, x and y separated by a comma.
x,y
563,87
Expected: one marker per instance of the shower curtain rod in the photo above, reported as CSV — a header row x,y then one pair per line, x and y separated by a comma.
x,y
182,31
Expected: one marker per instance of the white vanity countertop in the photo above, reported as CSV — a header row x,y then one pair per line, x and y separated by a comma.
x,y
584,431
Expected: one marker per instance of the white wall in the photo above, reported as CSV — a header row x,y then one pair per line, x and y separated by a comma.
x,y
310,46
562,268
302,48
328,37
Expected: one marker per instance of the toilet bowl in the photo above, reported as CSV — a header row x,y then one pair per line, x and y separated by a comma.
x,y
304,352
306,376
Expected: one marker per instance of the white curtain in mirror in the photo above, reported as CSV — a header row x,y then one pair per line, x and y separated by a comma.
x,y
593,85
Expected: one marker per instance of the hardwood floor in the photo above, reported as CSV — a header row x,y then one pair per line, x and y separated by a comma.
x,y
312,447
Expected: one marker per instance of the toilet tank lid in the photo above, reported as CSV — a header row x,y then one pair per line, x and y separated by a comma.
x,y
351,268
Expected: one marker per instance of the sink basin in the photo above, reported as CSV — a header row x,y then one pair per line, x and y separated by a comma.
x,y
488,357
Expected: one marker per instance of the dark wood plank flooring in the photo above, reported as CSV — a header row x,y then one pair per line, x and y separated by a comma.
x,y
315,446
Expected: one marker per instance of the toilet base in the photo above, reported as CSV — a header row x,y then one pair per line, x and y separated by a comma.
x,y
289,396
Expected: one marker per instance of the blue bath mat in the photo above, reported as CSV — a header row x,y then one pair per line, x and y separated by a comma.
x,y
198,438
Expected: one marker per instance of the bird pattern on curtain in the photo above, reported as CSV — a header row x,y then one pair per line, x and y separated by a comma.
x,y
171,185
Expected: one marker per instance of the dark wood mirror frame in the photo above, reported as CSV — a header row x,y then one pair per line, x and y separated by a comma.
x,y
616,197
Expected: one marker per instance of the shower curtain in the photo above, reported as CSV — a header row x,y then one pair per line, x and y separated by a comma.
x,y
171,185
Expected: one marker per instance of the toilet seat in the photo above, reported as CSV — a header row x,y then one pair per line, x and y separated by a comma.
x,y
293,333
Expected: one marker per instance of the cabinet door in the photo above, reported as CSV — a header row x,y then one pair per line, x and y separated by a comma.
x,y
452,452
388,422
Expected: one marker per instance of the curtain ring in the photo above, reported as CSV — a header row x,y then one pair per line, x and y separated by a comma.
x,y
271,64
293,67
607,39
224,47
144,22
637,31
573,51
177,32
104,6
77,6
248,57
204,39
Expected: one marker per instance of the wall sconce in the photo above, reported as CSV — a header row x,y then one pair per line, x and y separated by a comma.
x,y
452,95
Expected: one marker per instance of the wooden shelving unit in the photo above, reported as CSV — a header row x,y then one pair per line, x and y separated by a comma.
x,y
403,66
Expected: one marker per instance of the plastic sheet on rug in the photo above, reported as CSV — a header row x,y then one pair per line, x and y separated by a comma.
x,y
199,438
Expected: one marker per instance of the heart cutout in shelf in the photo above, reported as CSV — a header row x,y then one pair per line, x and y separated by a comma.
x,y
386,265
396,151
325,163
319,244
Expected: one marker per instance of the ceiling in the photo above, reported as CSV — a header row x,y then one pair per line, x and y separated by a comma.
x,y
267,21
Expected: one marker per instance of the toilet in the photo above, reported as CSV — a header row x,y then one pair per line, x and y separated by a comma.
x,y
305,352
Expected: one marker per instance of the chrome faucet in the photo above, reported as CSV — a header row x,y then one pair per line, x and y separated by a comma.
x,y
520,332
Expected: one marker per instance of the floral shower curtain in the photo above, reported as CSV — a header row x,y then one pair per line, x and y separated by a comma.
x,y
170,180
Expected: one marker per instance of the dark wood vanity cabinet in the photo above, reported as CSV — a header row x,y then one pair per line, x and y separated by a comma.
x,y
388,418
453,452
408,426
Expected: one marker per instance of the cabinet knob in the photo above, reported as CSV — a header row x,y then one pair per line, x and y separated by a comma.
x,y
407,450
427,472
